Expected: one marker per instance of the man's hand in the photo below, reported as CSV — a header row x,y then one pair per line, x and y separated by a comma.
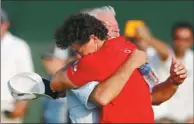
x,y
143,33
137,58
145,39
178,73
164,91
19,110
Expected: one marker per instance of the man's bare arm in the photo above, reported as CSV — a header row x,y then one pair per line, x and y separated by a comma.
x,y
60,80
109,89
163,92
160,46
52,65
19,110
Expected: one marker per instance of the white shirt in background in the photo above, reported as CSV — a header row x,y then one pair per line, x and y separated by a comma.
x,y
15,58
180,106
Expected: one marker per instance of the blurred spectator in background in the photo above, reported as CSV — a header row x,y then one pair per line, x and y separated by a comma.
x,y
15,58
55,111
180,106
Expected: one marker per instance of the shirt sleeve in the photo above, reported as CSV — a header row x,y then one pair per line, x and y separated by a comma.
x,y
83,94
83,71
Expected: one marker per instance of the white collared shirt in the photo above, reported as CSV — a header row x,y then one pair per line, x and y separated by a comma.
x,y
15,58
180,106
81,110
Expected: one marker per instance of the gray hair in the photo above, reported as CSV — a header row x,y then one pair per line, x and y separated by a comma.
x,y
4,16
95,11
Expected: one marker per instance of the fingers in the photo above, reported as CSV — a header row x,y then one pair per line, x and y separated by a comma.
x,y
177,64
181,72
180,76
183,76
178,72
143,32
177,67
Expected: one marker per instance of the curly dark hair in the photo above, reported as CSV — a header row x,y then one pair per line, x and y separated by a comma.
x,y
78,28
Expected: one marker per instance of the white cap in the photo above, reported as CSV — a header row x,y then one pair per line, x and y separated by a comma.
x,y
26,83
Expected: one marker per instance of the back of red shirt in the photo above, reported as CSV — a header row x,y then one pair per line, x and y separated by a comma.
x,y
133,104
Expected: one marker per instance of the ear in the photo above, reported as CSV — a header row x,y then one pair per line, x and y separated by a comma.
x,y
93,38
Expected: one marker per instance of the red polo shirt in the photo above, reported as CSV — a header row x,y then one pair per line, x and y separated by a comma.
x,y
133,104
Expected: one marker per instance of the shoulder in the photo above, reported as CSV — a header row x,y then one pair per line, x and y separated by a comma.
x,y
19,42
189,53
189,63
89,60
17,45
90,63
122,42
189,57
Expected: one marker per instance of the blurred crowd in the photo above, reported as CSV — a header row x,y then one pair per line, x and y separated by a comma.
x,y
16,57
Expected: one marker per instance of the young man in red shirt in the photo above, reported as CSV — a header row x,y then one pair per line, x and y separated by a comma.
x,y
87,36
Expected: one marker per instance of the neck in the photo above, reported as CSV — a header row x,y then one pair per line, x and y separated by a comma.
x,y
100,44
3,34
179,55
